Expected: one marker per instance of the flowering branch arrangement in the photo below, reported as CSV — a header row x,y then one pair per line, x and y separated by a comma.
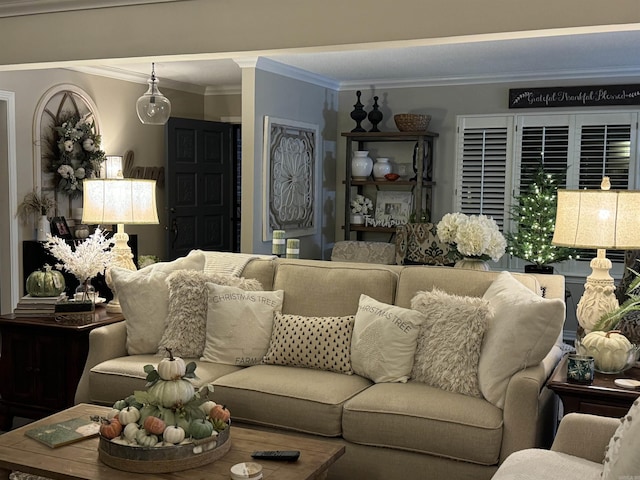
x,y
75,153
89,258
474,236
361,205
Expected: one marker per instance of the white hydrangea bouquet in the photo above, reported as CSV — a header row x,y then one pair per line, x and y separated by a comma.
x,y
473,236
361,205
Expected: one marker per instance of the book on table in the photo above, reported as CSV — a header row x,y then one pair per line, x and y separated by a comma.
x,y
63,433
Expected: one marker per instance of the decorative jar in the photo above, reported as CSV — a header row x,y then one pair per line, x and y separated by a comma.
x,y
381,168
361,165
472,264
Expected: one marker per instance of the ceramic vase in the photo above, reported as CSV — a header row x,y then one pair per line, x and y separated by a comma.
x,y
357,219
381,168
44,227
472,264
361,165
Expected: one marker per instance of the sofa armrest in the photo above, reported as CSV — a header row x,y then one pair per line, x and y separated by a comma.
x,y
585,436
105,343
521,410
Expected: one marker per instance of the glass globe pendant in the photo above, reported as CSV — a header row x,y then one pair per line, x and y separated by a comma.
x,y
153,107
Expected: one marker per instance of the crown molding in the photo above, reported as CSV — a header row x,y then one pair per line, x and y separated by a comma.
x,y
268,65
16,8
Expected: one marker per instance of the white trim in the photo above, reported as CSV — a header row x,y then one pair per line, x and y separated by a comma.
x,y
17,8
10,277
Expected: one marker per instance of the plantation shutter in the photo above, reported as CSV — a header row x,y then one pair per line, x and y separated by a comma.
x,y
483,166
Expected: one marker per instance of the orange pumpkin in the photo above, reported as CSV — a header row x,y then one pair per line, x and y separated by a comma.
x,y
154,425
110,428
220,412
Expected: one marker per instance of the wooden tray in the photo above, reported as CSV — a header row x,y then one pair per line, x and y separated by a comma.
x,y
164,459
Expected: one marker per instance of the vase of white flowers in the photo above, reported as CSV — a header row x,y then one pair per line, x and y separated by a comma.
x,y
85,261
476,237
360,206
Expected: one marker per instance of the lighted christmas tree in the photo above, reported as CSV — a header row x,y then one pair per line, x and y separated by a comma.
x,y
535,215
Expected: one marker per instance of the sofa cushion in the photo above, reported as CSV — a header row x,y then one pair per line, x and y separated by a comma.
x,y
522,330
417,417
292,398
537,464
384,340
239,324
118,378
186,328
622,459
340,285
311,342
144,298
449,343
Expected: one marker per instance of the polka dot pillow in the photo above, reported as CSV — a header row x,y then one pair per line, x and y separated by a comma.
x,y
322,343
621,458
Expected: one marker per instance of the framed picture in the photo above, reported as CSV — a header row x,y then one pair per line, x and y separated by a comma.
x,y
59,228
291,178
393,208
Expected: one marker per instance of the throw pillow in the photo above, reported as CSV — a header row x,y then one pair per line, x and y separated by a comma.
x,y
187,316
322,343
384,340
523,329
450,340
621,459
239,324
144,298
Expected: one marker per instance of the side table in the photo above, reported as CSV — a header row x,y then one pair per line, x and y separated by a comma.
x,y
602,397
41,362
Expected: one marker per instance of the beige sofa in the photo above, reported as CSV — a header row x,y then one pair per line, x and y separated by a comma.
x,y
391,430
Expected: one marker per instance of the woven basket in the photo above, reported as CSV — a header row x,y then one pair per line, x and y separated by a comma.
x,y
412,122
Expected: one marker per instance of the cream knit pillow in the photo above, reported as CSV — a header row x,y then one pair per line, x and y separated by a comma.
x,y
622,458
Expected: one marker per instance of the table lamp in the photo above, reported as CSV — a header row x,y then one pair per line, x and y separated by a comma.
x,y
601,219
119,201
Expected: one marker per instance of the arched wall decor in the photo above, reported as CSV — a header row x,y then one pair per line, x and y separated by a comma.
x,y
56,104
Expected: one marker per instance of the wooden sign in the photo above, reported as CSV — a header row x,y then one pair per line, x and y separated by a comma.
x,y
587,96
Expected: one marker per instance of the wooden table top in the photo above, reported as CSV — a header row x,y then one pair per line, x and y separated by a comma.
x,y
80,460
602,383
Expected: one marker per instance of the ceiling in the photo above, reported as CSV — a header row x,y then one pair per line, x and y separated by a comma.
x,y
461,61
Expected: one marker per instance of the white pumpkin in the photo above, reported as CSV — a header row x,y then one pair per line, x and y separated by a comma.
x,y
171,393
609,349
130,431
172,368
129,415
173,434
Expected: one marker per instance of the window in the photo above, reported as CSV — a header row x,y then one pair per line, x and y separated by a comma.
x,y
496,155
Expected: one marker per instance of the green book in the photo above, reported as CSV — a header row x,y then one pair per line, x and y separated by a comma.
x,y
63,433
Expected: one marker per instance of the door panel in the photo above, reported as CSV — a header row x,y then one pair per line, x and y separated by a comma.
x,y
200,179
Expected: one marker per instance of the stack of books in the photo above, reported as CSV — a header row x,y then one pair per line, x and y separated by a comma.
x,y
29,306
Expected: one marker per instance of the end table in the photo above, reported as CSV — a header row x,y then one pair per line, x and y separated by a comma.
x,y
41,363
602,397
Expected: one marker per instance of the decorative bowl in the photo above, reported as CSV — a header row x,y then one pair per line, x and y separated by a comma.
x,y
607,361
412,122
392,177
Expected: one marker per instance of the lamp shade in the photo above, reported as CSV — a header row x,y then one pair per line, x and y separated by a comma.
x,y
600,219
120,201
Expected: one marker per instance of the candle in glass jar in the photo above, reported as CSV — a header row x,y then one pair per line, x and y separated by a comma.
x,y
278,246
293,248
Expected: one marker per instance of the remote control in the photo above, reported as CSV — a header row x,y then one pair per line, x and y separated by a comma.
x,y
283,455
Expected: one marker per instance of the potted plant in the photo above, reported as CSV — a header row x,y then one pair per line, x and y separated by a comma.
x,y
37,205
535,215
360,207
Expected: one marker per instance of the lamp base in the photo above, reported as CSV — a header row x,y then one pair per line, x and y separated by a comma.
x,y
123,258
598,298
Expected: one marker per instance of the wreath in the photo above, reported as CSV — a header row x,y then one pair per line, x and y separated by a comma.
x,y
75,153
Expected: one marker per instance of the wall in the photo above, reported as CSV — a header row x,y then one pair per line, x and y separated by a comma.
x,y
290,99
217,107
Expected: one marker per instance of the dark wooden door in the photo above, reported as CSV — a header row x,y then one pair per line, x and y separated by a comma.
x,y
199,184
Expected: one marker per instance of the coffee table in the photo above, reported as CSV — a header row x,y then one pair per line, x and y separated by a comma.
x,y
80,460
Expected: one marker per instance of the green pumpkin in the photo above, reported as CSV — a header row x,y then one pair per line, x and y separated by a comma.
x,y
171,393
45,283
200,428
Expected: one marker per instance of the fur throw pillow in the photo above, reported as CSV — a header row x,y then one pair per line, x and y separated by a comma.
x,y
450,341
186,328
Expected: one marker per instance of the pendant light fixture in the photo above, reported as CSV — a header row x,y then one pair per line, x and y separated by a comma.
x,y
153,107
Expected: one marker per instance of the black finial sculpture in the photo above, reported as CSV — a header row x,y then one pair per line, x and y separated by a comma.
x,y
358,114
375,116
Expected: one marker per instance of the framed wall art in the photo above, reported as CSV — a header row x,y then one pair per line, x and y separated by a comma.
x,y
291,178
